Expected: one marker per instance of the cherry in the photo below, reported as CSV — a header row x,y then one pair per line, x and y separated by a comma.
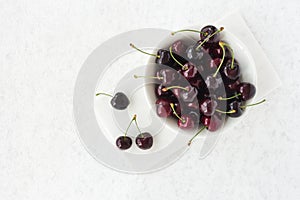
x,y
189,71
179,47
161,92
232,69
239,108
186,122
234,85
193,54
124,142
163,108
144,140
215,51
189,95
168,75
208,106
235,105
193,105
212,123
162,57
119,101
210,33
213,82
247,91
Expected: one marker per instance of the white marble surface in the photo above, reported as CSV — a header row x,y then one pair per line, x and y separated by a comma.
x,y
44,43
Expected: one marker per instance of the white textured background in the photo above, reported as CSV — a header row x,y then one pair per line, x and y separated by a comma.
x,y
42,47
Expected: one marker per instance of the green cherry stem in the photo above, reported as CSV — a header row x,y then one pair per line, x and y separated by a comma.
x,y
232,97
133,119
150,54
189,30
101,93
171,87
190,141
174,112
137,126
182,66
206,39
231,52
155,77
223,56
254,104
226,112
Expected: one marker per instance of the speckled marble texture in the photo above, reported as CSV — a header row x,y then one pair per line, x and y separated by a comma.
x,y
42,47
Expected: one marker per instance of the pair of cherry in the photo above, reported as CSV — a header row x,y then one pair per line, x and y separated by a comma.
x,y
144,140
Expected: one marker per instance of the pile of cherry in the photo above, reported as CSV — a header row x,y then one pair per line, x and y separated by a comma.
x,y
199,84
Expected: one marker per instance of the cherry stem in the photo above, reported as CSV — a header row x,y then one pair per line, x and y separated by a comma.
x,y
189,30
232,97
171,87
182,66
206,39
254,104
226,112
133,119
101,93
231,51
155,77
174,112
223,56
190,141
137,126
150,54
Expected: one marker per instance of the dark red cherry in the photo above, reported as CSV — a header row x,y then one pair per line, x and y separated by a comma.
x,y
215,51
160,92
189,71
212,123
164,57
232,72
163,108
187,122
213,82
193,105
208,106
179,47
247,91
194,54
207,31
190,95
124,142
168,75
235,105
144,140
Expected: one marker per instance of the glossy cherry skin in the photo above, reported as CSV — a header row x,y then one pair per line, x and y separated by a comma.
x,y
235,105
207,31
163,108
179,47
190,95
194,54
197,82
168,76
188,123
164,57
124,142
189,71
247,91
160,92
208,106
215,51
120,101
213,82
144,140
212,123
232,72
